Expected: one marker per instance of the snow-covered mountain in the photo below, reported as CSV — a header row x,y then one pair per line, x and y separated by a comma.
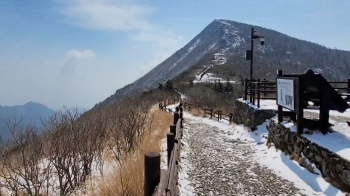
x,y
223,44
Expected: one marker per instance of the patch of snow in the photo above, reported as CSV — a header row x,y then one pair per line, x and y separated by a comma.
x,y
185,187
189,50
163,154
210,78
337,141
198,77
269,104
193,46
212,46
289,169
317,70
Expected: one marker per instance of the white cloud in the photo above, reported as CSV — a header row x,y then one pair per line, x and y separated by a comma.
x,y
77,62
113,15
80,54
153,45
117,15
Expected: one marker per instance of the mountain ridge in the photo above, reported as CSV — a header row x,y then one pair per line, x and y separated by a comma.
x,y
31,113
223,43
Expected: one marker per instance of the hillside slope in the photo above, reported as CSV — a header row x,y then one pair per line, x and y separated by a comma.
x,y
223,44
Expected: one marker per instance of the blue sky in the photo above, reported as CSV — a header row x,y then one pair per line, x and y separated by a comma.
x,y
78,52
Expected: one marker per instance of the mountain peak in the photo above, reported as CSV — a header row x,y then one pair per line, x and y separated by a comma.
x,y
223,44
34,104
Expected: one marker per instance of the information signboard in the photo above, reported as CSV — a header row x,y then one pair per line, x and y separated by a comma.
x,y
286,93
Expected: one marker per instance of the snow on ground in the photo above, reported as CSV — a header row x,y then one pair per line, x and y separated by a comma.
x,y
91,183
290,169
337,142
210,78
185,187
173,106
271,105
163,154
199,75
308,183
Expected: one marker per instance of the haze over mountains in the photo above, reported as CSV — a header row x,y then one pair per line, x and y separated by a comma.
x,y
223,44
30,113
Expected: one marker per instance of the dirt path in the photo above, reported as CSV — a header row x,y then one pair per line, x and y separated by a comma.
x,y
226,167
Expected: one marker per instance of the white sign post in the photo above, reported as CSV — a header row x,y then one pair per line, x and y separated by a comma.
x,y
285,93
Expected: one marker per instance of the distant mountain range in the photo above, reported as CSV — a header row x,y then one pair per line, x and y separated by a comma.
x,y
30,112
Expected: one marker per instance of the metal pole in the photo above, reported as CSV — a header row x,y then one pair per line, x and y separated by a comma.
x,y
251,64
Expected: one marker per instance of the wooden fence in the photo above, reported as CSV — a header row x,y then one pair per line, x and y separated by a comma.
x,y
163,105
164,182
264,89
212,113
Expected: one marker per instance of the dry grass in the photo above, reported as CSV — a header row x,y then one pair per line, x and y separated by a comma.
x,y
128,178
197,112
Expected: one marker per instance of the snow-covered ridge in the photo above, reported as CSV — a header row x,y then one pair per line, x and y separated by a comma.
x,y
189,50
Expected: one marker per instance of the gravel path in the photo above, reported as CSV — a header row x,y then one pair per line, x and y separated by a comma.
x,y
226,167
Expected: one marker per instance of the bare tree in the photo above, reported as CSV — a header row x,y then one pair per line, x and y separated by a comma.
x,y
128,124
22,167
72,143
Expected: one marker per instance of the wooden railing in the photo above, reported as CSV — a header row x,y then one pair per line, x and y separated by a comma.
x,y
264,89
164,104
213,113
164,182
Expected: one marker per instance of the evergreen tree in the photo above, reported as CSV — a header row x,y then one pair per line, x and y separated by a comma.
x,y
160,86
169,85
215,85
220,86
228,86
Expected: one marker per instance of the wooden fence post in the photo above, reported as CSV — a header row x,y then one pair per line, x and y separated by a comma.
x,y
170,144
246,89
279,108
173,129
265,94
253,91
176,115
300,107
152,172
348,90
258,93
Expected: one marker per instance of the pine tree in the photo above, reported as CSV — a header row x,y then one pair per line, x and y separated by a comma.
x,y
220,86
169,85
160,86
228,86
